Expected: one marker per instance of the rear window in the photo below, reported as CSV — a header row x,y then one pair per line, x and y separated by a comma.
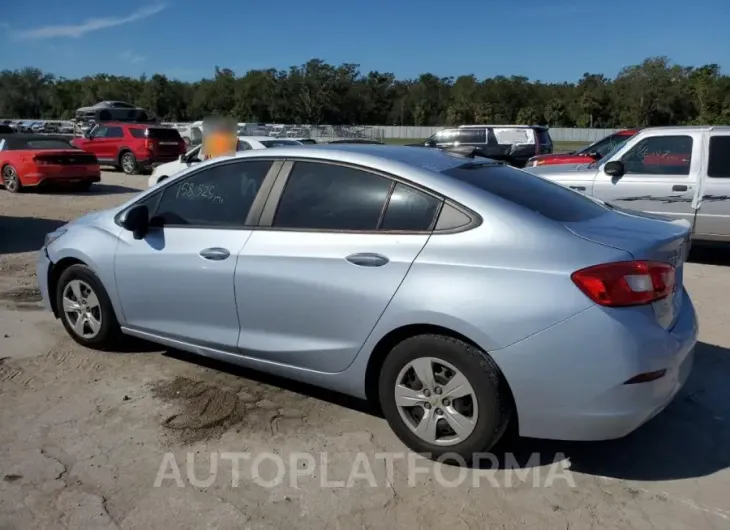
x,y
719,164
539,195
48,144
166,135
278,143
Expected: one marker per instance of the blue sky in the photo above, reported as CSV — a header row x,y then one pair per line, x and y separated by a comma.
x,y
549,40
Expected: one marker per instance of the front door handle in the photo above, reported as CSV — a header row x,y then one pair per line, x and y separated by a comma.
x,y
578,188
367,259
679,188
215,253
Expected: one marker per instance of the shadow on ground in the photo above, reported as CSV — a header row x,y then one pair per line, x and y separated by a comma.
x,y
687,440
25,234
707,254
96,189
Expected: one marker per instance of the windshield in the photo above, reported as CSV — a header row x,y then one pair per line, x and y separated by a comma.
x,y
612,152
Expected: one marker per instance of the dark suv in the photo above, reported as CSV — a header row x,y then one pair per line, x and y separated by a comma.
x,y
133,147
514,144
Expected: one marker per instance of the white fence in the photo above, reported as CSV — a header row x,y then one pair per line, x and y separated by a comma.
x,y
558,134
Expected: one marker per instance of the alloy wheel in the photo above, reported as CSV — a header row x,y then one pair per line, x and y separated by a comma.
x,y
128,163
10,179
436,401
82,309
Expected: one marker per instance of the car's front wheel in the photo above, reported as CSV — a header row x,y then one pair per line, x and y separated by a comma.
x,y
444,397
85,309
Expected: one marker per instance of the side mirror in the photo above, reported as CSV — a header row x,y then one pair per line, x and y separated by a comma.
x,y
181,158
430,143
614,169
137,221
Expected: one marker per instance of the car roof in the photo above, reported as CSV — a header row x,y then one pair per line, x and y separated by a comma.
x,y
16,141
504,126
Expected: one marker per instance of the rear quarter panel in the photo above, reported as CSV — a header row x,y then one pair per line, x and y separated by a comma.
x,y
496,284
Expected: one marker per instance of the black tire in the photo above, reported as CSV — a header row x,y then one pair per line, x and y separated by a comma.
x,y
11,181
128,163
109,336
492,396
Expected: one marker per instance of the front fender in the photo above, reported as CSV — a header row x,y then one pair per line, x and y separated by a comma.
x,y
94,246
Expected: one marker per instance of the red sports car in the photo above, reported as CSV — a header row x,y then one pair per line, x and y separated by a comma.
x,y
588,154
32,160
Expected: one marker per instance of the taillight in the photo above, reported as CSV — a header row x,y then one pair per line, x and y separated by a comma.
x,y
626,283
40,161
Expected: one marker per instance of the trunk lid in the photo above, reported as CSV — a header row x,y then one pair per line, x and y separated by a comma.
x,y
645,237
70,157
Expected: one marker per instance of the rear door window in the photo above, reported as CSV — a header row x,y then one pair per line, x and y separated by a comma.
x,y
543,137
536,194
410,209
514,135
719,165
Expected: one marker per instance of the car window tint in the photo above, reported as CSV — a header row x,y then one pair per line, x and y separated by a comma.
x,y
472,136
719,164
660,155
114,132
330,197
410,209
539,195
138,133
221,195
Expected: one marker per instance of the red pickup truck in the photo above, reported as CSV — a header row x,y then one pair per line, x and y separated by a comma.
x,y
588,154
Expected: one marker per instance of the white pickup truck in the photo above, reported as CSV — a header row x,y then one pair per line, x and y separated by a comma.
x,y
679,172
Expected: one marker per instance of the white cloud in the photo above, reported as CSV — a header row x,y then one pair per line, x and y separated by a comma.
x,y
92,24
131,57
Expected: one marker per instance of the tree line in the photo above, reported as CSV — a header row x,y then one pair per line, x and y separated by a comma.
x,y
655,92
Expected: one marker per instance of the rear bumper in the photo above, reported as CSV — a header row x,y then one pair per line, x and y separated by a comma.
x,y
53,179
568,381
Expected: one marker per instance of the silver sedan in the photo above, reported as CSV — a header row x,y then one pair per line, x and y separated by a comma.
x,y
457,293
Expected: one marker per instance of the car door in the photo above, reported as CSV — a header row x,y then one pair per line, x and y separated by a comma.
x,y
177,281
328,257
712,221
661,174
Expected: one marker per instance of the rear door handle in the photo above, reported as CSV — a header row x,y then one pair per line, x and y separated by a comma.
x,y
578,188
215,253
679,188
367,259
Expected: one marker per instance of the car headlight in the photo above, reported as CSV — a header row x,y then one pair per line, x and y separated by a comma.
x,y
51,237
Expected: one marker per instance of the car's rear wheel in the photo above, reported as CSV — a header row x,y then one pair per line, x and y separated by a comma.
x,y
128,163
444,397
11,181
85,309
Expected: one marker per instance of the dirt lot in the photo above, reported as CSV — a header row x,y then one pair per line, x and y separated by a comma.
x,y
83,435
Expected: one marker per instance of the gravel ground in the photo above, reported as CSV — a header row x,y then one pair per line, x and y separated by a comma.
x,y
85,436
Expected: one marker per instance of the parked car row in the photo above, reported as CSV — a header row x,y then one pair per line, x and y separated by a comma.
x,y
35,126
